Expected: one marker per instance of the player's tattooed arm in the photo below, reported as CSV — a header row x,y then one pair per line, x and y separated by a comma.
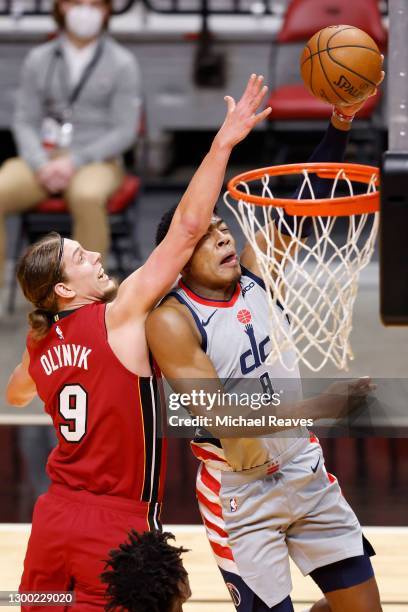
x,y
142,289
21,388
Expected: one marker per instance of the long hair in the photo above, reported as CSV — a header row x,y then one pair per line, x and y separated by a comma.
x,y
60,19
39,270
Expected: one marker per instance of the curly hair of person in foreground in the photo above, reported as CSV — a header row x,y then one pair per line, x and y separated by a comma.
x,y
146,574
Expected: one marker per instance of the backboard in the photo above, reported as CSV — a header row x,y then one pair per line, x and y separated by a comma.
x,y
394,177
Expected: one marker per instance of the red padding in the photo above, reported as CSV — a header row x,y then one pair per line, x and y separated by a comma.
x,y
295,102
305,17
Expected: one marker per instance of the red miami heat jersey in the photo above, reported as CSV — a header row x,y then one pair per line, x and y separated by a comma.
x,y
107,420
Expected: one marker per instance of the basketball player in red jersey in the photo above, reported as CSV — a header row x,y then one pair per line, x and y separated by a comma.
x,y
88,360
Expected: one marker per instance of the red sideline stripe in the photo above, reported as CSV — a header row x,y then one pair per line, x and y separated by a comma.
x,y
215,528
313,438
215,508
203,454
272,469
221,551
209,481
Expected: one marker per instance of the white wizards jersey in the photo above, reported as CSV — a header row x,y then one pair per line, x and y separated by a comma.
x,y
235,336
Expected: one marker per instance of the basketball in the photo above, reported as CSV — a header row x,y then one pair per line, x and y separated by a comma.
x,y
341,65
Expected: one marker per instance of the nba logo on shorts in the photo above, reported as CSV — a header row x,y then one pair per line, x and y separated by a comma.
x,y
233,504
59,333
235,594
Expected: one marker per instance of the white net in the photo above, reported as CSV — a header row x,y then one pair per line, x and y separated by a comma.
x,y
313,281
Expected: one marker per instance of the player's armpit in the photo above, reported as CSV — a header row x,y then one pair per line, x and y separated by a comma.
x,y
21,388
141,291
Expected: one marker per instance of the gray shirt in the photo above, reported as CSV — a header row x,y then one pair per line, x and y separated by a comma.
x,y
105,116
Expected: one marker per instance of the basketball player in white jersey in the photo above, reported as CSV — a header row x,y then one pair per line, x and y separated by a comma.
x,y
261,499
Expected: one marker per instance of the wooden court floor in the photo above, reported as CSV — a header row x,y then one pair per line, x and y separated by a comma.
x,y
209,593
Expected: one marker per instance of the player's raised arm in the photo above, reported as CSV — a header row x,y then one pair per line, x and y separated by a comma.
x,y
142,289
332,148
21,388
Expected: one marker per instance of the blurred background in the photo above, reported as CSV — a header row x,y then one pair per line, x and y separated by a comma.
x,y
191,53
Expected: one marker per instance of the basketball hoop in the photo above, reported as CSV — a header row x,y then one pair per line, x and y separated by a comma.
x,y
314,281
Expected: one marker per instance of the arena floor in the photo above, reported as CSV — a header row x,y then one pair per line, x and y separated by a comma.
x,y
390,565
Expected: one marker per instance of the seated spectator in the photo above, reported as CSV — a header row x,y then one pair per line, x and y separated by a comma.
x,y
77,112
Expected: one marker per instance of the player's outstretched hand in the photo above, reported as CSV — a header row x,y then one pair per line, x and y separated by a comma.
x,y
351,109
242,116
344,397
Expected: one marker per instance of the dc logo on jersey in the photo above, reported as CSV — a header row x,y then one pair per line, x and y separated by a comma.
x,y
235,594
255,356
233,504
59,333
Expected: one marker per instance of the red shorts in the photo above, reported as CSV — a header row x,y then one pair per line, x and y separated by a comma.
x,y
71,536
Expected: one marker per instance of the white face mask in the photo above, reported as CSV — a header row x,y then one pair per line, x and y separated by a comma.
x,y
84,21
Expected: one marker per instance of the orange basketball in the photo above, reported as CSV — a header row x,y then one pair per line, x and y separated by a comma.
x,y
341,64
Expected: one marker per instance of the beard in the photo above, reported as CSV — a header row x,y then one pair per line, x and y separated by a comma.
x,y
110,292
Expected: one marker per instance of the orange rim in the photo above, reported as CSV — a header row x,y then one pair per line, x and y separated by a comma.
x,y
324,207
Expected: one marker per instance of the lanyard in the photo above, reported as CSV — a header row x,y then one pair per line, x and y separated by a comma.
x,y
73,96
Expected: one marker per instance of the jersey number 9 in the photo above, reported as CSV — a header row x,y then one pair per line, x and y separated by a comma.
x,y
73,406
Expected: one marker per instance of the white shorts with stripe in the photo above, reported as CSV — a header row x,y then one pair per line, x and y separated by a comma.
x,y
256,518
